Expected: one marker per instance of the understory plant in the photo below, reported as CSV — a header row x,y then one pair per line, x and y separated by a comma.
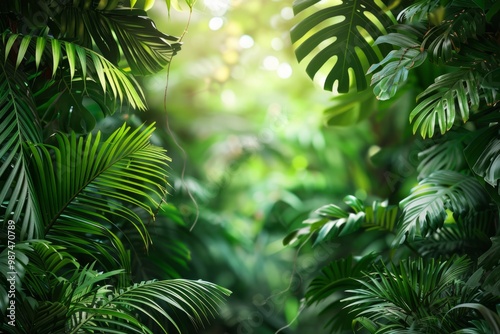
x,y
432,263
80,207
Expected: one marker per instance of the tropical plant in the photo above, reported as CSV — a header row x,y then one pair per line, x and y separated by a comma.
x,y
78,205
434,269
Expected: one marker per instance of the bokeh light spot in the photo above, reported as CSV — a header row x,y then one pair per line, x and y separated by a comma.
x,y
246,41
215,23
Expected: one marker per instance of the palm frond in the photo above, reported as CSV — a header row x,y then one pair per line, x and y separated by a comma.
x,y
129,30
91,184
465,234
397,64
19,124
109,310
418,11
330,286
424,210
446,153
334,221
492,318
483,155
457,26
438,103
349,29
77,73
408,295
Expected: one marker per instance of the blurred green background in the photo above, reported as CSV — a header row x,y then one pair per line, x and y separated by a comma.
x,y
252,157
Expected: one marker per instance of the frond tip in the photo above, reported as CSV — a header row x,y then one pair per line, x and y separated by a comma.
x,y
198,300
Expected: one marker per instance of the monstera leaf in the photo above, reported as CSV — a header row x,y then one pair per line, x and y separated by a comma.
x,y
347,30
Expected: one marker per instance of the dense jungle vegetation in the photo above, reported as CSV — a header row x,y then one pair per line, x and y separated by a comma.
x,y
229,166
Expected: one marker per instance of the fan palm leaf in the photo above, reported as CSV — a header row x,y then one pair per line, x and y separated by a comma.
x,y
335,278
438,103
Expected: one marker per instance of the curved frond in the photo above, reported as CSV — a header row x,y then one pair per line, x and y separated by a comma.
x,y
451,93
447,153
334,221
408,295
19,124
348,30
92,184
424,210
337,277
129,30
483,155
457,26
110,310
78,75
396,65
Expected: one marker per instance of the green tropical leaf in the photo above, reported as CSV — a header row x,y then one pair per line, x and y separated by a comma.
x,y
424,210
446,153
457,27
145,49
483,155
87,186
407,295
438,103
418,11
334,221
348,30
491,317
335,278
396,65
116,309
19,124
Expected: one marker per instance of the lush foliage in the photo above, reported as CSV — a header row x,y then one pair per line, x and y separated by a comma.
x,y
77,204
435,268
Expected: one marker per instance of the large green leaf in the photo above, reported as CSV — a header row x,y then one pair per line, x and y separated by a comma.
x,y
451,93
408,295
78,75
344,32
483,154
111,311
424,210
446,153
146,50
333,221
397,64
457,26
19,124
87,186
